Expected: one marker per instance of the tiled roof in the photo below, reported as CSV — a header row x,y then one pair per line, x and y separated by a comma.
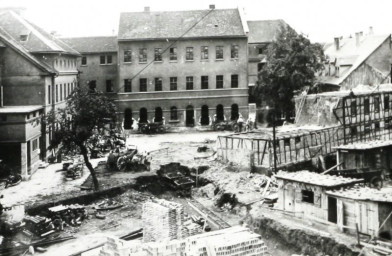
x,y
358,90
264,31
166,25
364,194
366,145
92,44
317,179
350,56
37,39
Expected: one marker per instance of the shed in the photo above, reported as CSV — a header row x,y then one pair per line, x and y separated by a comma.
x,y
305,192
370,208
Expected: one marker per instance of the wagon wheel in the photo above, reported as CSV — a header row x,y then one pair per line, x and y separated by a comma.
x,y
376,182
144,129
161,129
121,163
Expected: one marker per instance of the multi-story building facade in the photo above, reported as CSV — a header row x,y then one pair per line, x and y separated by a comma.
x,y
182,74
98,64
38,72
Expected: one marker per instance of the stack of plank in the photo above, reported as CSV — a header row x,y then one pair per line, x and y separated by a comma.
x,y
162,221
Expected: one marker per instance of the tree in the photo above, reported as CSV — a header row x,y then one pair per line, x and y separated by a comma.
x,y
74,124
292,64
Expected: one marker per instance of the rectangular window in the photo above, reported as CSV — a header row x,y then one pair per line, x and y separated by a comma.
x,y
376,104
204,82
219,82
127,85
158,84
158,54
386,102
260,50
234,81
366,107
173,54
35,144
49,95
127,56
84,61
204,53
109,59
143,84
109,86
308,196
189,53
219,53
377,126
353,108
189,82
102,59
234,51
142,55
173,83
61,92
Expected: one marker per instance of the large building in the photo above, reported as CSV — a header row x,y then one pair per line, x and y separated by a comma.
x,y
183,73
38,72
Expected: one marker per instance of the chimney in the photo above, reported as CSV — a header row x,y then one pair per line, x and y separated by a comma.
x,y
147,9
212,6
370,30
357,38
337,41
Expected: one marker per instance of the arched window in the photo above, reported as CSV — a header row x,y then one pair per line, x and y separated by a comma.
x,y
234,112
173,113
158,115
205,119
128,118
143,115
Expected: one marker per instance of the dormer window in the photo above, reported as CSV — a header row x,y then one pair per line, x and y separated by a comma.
x,y
23,38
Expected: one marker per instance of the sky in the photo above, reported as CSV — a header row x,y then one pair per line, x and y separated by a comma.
x,y
319,20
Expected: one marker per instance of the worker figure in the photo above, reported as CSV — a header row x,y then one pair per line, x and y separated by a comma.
x,y
214,119
240,122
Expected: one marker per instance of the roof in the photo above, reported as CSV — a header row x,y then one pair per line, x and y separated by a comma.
x,y
37,39
264,31
366,145
169,25
93,44
317,179
358,90
364,194
349,56
18,109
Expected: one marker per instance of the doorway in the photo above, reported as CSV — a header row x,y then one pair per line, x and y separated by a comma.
x,y
332,210
143,115
158,115
234,112
128,118
205,119
190,116
220,115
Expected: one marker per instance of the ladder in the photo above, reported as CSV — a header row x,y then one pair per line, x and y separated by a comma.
x,y
301,104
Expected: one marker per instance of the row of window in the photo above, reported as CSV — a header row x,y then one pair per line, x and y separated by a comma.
x,y
366,105
189,81
103,60
62,91
189,54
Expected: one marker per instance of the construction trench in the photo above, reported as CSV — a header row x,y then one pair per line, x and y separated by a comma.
x,y
228,191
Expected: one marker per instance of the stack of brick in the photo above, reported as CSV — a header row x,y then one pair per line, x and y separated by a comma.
x,y
162,221
118,247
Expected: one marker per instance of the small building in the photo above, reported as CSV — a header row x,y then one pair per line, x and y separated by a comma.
x,y
20,137
368,207
372,155
305,193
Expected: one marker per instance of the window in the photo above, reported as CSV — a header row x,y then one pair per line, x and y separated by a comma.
x,y
219,53
23,38
219,82
204,82
366,106
92,86
158,54
173,113
158,84
84,61
189,53
204,52
368,128
173,83
260,66
109,59
308,196
143,84
234,81
49,95
377,126
127,85
386,102
35,145
260,50
127,56
234,51
102,59
353,131
353,108
109,86
61,92
376,104
142,55
189,82
173,54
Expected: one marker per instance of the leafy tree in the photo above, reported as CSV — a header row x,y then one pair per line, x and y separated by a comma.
x,y
292,64
74,124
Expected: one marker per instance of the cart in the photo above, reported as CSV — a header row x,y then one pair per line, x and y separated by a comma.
x,y
373,178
